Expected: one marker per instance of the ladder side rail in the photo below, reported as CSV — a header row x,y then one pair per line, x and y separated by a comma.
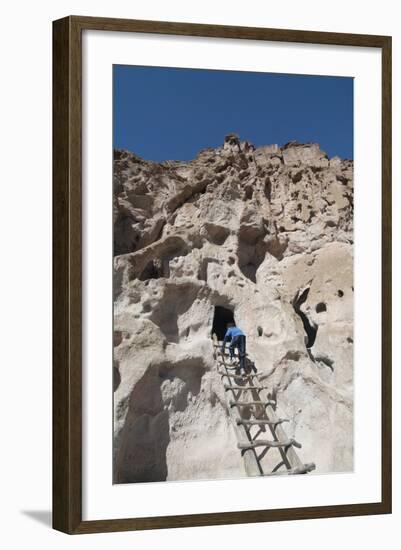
x,y
289,455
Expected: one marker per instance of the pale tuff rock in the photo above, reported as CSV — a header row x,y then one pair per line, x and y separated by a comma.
x,y
267,233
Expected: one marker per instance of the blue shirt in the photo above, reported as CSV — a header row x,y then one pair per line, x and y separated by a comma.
x,y
233,331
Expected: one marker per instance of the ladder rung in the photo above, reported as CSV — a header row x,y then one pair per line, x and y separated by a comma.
x,y
226,354
266,443
219,346
304,469
232,366
261,422
244,376
244,388
249,403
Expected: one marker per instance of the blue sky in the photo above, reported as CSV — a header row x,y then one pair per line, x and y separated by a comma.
x,y
170,114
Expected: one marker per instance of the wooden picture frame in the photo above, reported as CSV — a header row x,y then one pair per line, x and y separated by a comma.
x,y
67,274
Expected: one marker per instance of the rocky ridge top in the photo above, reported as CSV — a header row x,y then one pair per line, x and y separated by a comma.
x,y
294,189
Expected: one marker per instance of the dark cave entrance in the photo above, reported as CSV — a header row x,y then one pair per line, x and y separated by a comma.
x,y
310,329
222,316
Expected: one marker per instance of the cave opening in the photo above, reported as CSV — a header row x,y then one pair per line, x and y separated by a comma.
x,y
310,329
221,317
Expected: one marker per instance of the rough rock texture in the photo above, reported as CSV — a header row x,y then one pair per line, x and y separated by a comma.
x,y
266,233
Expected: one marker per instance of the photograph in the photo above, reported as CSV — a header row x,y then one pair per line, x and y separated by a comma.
x,y
233,274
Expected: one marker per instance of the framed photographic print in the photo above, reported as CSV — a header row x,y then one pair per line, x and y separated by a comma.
x,y
222,274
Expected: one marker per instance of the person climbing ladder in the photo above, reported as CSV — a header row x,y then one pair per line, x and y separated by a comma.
x,y
238,340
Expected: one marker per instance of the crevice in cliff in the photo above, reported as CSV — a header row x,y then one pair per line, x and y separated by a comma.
x,y
309,327
268,189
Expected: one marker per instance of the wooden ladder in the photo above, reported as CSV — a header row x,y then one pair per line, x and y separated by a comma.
x,y
252,405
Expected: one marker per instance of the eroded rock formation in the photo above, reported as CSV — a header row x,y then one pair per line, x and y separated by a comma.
x,y
264,234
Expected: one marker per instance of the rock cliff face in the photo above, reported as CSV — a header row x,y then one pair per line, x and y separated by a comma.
x,y
261,234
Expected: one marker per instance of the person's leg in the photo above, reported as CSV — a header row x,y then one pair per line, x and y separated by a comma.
x,y
235,346
242,352
231,348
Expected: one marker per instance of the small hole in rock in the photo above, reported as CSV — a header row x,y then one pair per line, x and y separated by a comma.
x,y
260,331
340,293
248,193
321,306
